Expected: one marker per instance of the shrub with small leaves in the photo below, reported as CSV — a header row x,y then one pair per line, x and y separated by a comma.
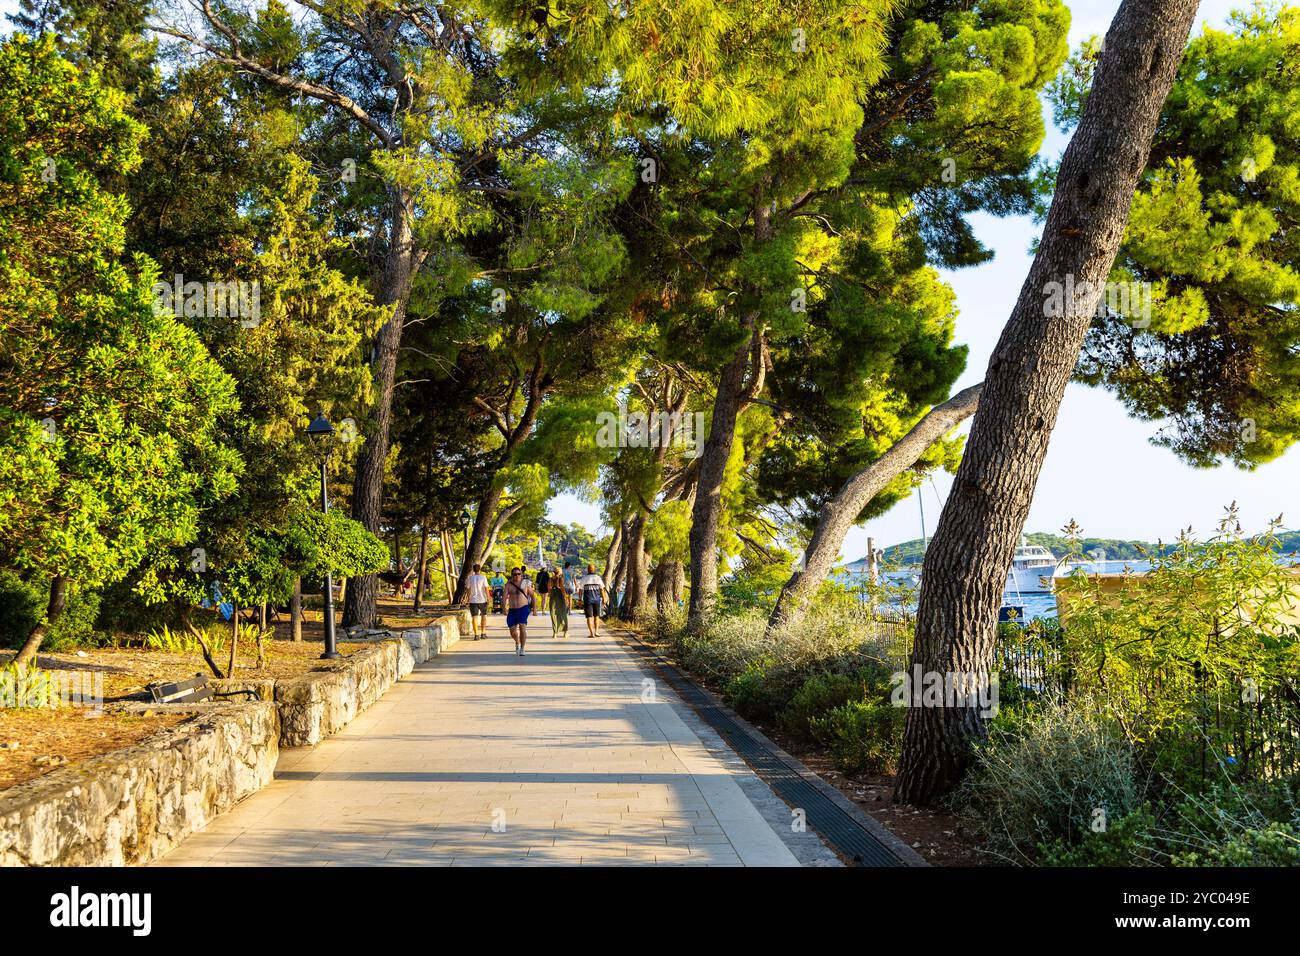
x,y
864,736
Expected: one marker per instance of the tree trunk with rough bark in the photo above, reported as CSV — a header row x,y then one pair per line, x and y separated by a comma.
x,y
638,571
295,610
706,515
53,608
840,513
480,534
614,556
668,584
498,525
734,393
967,560
447,578
618,579
400,266
423,562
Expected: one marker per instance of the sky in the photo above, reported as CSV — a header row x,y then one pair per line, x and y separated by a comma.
x,y
1101,469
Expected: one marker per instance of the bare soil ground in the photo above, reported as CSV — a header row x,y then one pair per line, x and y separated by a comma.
x,y
35,742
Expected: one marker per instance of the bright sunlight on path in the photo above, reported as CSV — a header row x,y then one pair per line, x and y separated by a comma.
x,y
481,757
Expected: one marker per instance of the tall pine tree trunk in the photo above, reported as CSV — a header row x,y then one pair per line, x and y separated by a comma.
x,y
401,263
734,392
478,536
966,564
638,572
614,556
447,577
840,513
706,515
668,584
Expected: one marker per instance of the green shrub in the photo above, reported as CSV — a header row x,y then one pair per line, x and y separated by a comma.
x,y
23,603
1251,824
751,693
1173,654
1129,841
832,639
864,736
1276,844
819,695
1046,781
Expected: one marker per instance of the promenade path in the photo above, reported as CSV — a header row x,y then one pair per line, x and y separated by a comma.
x,y
570,755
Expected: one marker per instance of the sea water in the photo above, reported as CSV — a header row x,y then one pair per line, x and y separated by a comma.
x,y
1037,605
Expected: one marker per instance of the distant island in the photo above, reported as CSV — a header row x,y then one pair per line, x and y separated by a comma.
x,y
1115,549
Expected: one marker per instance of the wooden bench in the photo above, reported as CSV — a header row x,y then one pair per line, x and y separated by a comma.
x,y
190,691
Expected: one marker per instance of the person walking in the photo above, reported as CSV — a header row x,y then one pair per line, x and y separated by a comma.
x,y
570,579
476,590
498,584
592,589
558,600
519,604
542,585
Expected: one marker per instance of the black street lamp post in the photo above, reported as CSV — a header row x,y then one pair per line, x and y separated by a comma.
x,y
465,519
319,430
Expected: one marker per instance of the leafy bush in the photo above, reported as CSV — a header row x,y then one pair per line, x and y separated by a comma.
x,y
1229,826
22,604
823,669
821,694
751,693
1172,656
123,610
317,543
1252,824
864,736
1277,844
832,639
1128,841
1047,779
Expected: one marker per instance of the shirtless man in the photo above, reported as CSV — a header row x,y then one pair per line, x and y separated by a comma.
x,y
519,604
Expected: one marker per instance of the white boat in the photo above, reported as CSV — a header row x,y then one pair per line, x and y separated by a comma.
x,y
1032,570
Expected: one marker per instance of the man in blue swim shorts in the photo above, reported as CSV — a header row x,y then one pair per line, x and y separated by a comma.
x,y
519,604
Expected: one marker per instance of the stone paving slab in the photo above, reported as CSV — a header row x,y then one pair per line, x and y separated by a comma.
x,y
571,755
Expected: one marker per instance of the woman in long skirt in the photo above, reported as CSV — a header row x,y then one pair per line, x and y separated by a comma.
x,y
558,599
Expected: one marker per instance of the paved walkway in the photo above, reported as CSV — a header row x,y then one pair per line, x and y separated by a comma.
x,y
570,755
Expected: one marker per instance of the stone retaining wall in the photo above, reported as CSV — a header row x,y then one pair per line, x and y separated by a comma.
x,y
135,804
427,642
316,705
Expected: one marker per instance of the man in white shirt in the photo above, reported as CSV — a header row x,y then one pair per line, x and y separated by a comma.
x,y
476,591
591,589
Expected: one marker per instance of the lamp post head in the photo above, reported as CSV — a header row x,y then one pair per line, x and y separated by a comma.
x,y
320,426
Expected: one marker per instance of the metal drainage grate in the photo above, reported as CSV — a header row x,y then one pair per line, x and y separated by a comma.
x,y
837,827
